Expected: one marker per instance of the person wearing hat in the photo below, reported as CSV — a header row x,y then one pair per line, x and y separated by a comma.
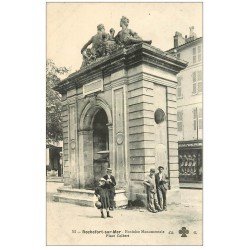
x,y
161,181
103,198
110,186
149,182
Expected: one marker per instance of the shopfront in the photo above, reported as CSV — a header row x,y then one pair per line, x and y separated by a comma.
x,y
190,161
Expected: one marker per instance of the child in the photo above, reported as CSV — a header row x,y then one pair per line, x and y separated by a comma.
x,y
103,196
110,186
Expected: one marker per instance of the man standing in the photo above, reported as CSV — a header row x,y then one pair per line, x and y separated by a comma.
x,y
110,186
149,182
161,181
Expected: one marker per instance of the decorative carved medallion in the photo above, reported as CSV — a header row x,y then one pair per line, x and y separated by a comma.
x,y
72,145
119,138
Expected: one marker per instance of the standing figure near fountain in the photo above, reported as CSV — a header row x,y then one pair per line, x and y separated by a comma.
x,y
126,36
110,185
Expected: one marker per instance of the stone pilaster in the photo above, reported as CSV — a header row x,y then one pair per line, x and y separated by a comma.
x,y
119,151
73,143
172,138
65,128
81,159
111,147
141,131
88,173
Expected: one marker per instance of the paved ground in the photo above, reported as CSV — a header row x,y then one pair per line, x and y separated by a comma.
x,y
69,224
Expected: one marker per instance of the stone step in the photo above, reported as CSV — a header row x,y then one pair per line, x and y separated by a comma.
x,y
84,197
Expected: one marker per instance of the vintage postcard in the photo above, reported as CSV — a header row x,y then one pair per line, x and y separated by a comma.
x,y
124,123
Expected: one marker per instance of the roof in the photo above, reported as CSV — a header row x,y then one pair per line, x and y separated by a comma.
x,y
185,45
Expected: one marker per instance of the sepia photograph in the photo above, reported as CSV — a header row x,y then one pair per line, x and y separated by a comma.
x,y
124,123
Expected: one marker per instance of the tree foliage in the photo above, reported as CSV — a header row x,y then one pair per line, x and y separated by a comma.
x,y
53,102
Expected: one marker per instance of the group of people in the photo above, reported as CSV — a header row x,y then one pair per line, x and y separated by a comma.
x,y
105,193
156,186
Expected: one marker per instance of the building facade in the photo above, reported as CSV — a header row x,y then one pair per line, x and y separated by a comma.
x,y
120,111
54,159
189,107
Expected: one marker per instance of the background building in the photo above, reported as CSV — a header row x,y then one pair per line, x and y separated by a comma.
x,y
54,159
189,108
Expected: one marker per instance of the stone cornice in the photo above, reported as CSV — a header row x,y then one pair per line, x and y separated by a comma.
x,y
124,58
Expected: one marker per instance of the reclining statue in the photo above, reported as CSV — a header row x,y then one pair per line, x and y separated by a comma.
x,y
126,36
104,44
97,41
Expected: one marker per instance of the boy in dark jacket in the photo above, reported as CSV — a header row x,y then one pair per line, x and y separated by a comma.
x,y
110,185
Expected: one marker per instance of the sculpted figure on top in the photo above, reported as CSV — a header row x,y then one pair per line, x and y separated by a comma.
x,y
126,36
104,44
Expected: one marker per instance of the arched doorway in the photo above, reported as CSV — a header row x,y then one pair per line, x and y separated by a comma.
x,y
95,142
100,144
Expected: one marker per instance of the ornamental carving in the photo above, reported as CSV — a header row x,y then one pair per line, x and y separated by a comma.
x,y
119,138
104,44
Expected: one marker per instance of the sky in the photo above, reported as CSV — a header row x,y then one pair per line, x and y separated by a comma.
x,y
71,25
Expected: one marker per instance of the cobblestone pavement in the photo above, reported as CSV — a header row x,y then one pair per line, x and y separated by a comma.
x,y
69,224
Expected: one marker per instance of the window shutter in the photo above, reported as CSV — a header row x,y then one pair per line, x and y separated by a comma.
x,y
199,53
179,94
194,55
194,76
199,77
200,119
178,81
194,83
195,118
179,120
199,87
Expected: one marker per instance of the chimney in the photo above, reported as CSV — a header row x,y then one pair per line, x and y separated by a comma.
x,y
192,34
178,39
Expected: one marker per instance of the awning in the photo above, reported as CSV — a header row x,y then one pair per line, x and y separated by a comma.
x,y
195,144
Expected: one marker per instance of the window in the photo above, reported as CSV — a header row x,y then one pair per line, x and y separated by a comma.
x,y
197,82
195,118
199,53
194,83
179,120
200,119
194,55
179,92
